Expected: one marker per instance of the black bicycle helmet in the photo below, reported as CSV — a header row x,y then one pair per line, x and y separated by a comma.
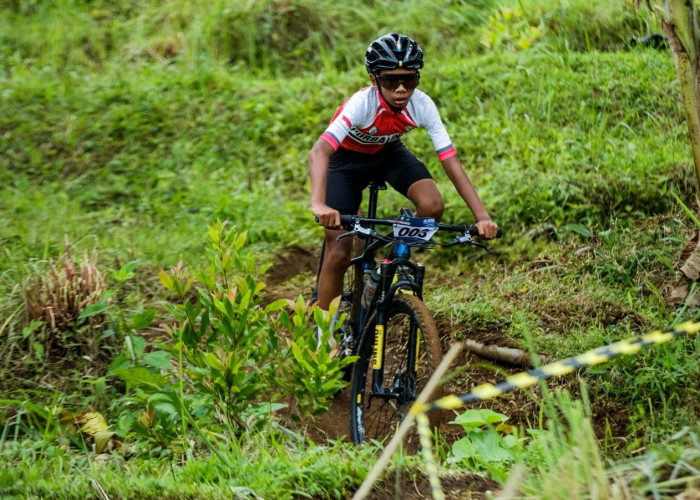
x,y
392,51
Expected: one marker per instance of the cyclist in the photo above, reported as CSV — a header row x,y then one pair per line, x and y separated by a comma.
x,y
362,143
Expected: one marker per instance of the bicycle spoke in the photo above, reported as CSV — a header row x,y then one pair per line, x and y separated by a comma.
x,y
377,413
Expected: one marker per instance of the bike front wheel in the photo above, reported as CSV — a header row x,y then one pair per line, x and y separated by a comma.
x,y
409,355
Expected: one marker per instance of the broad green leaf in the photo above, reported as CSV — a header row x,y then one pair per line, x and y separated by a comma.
x,y
93,310
276,305
141,376
489,449
166,280
240,240
477,418
333,306
38,349
27,330
579,229
463,448
165,406
126,272
214,234
213,361
136,344
245,301
218,304
300,358
118,363
321,317
143,319
158,359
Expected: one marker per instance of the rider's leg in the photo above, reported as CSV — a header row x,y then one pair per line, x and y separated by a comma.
x,y
427,198
335,263
330,280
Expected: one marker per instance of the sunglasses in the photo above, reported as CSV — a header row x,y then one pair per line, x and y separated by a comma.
x,y
392,82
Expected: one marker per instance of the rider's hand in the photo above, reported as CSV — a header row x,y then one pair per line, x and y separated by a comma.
x,y
487,229
327,216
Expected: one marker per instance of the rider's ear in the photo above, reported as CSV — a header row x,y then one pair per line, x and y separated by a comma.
x,y
373,79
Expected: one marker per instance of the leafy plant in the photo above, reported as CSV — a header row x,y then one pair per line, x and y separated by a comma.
x,y
485,447
311,375
231,360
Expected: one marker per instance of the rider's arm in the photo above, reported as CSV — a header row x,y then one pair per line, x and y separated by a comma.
x,y
465,188
318,174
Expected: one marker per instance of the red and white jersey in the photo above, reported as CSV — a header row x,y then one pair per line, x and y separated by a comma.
x,y
365,122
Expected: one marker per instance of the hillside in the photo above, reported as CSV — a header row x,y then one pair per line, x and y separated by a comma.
x,y
128,130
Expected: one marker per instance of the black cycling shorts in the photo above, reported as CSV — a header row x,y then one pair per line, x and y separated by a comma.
x,y
350,172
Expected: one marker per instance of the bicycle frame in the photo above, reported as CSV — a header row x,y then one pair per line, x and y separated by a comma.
x,y
391,331
399,256
398,259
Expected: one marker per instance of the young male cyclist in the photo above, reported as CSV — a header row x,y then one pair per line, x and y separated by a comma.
x,y
362,143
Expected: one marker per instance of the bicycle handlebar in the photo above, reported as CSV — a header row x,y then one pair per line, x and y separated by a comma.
x,y
349,221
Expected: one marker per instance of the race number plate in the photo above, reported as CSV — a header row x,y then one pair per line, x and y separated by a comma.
x,y
414,229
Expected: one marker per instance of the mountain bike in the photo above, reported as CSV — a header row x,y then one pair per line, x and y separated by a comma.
x,y
387,324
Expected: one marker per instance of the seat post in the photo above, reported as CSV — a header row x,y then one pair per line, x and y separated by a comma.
x,y
374,188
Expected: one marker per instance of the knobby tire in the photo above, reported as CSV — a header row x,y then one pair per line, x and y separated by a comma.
x,y
375,418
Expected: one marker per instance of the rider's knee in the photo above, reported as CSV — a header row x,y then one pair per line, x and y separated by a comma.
x,y
433,207
339,254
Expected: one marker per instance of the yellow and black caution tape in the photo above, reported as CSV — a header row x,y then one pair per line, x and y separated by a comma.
x,y
559,368
527,379
430,466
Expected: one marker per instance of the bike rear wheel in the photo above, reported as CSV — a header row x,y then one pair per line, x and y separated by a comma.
x,y
409,323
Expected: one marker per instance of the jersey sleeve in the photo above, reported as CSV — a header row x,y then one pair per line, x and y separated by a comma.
x,y
436,130
350,114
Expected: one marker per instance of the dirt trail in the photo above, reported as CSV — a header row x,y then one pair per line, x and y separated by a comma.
x,y
293,274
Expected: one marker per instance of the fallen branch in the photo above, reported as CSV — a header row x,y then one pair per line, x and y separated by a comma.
x,y
512,356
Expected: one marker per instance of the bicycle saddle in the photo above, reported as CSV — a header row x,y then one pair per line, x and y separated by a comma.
x,y
381,185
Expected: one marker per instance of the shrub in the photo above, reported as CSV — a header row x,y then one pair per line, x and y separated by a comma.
x,y
231,361
67,305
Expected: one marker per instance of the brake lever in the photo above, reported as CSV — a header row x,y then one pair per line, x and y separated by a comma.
x,y
345,235
358,230
467,238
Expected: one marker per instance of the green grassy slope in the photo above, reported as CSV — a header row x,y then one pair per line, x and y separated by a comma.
x,y
129,127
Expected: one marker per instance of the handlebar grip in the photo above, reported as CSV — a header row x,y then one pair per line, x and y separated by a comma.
x,y
474,231
346,220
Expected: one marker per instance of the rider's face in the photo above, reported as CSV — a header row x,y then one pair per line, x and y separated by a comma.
x,y
397,85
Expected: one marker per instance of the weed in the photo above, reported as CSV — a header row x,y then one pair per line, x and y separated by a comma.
x,y
66,306
488,445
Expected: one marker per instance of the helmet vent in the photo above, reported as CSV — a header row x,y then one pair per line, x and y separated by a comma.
x,y
387,52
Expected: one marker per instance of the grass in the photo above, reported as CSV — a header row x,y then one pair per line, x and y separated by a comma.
x,y
264,466
129,128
